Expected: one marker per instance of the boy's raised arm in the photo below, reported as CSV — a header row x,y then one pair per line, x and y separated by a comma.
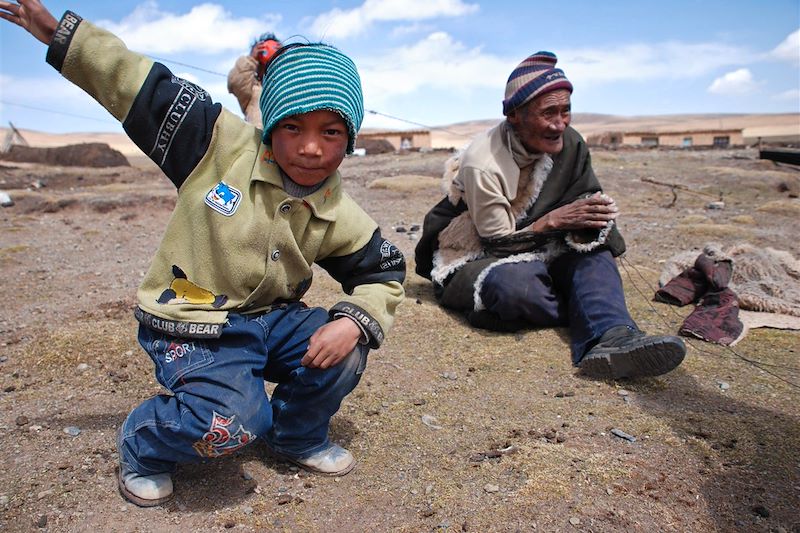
x,y
32,16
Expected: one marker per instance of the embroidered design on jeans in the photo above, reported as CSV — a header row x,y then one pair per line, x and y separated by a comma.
x,y
174,350
219,440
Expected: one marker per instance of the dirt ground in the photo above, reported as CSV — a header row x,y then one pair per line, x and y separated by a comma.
x,y
454,429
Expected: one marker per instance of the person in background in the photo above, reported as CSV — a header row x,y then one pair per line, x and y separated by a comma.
x,y
526,237
221,308
246,78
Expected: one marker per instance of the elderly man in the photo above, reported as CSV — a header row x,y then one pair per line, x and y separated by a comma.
x,y
526,238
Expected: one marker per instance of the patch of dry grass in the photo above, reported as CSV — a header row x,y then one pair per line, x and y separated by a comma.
x,y
694,219
781,207
405,183
710,230
551,469
758,176
745,220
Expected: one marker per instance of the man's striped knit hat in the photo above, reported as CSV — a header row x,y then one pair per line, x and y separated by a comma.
x,y
305,78
535,76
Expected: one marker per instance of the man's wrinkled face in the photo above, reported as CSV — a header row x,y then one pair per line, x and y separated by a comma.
x,y
540,124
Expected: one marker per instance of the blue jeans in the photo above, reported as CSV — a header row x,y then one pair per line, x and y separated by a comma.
x,y
218,403
580,290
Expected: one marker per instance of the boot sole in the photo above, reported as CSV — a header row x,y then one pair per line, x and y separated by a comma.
x,y
134,499
652,359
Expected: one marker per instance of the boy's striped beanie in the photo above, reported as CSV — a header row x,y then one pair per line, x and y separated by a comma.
x,y
535,76
305,78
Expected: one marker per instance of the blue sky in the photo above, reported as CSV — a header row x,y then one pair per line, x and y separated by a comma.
x,y
437,62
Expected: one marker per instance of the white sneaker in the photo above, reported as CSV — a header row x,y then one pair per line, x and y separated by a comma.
x,y
332,461
145,491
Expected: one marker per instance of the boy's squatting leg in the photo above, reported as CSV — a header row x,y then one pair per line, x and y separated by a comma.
x,y
219,404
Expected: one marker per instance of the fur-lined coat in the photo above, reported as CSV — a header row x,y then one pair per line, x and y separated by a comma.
x,y
507,189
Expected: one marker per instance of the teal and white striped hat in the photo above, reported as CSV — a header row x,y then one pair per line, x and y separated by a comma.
x,y
305,78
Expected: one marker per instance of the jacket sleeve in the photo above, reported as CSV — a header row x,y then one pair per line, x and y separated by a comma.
x,y
489,208
371,274
170,119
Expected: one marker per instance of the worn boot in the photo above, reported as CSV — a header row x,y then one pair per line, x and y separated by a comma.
x,y
144,491
332,461
623,352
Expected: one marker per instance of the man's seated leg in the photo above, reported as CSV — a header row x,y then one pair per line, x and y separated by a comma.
x,y
605,341
515,296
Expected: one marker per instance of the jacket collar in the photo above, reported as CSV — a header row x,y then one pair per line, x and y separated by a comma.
x,y
322,202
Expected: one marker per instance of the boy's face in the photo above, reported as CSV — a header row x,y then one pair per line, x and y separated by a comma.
x,y
311,146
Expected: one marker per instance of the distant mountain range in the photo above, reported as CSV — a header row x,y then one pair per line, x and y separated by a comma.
x,y
784,127
770,127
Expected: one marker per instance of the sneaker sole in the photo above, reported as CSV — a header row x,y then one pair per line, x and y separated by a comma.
x,y
342,472
639,361
141,502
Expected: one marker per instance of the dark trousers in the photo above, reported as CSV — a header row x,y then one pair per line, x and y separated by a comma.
x,y
580,290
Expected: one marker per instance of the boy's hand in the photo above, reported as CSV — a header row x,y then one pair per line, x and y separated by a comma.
x,y
331,343
32,16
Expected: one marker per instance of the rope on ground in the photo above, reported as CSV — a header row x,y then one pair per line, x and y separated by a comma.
x,y
755,363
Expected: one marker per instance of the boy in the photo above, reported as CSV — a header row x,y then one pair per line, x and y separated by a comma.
x,y
220,308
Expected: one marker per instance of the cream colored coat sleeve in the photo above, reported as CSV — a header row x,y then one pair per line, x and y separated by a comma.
x,y
489,207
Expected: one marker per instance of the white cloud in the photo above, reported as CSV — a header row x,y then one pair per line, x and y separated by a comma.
x,y
42,92
49,95
340,23
645,62
410,29
792,95
205,29
438,61
736,82
441,62
789,49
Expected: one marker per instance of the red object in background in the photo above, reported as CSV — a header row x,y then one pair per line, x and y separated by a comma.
x,y
264,50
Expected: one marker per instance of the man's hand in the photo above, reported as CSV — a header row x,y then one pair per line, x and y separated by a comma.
x,y
32,16
331,343
592,212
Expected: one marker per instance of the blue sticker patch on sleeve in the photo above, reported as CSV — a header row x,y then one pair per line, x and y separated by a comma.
x,y
223,198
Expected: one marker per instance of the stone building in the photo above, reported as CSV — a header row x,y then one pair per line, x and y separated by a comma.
x,y
400,139
720,138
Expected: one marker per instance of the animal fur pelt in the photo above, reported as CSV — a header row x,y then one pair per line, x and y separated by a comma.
x,y
764,279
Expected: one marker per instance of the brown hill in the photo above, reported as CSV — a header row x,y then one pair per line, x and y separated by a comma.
x,y
96,155
780,126
770,127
